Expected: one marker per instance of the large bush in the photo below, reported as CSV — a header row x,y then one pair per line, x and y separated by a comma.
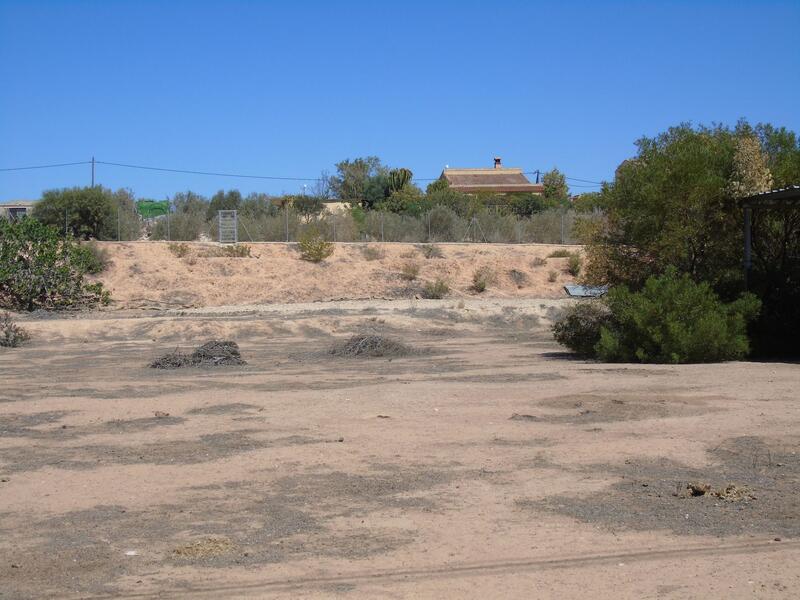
x,y
40,269
579,326
82,212
671,320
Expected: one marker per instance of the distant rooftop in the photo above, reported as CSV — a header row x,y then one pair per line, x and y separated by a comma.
x,y
499,180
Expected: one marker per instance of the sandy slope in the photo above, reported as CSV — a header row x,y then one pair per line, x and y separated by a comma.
x,y
151,275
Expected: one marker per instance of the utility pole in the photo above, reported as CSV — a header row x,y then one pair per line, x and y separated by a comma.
x,y
537,175
93,171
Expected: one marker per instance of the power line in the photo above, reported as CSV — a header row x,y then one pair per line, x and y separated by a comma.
x,y
240,175
190,172
84,162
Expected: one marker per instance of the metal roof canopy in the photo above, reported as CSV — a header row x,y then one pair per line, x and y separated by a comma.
x,y
784,198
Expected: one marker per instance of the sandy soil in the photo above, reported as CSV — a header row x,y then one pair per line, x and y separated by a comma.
x,y
487,465
156,274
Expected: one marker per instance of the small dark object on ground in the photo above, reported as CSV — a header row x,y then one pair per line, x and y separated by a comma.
x,y
698,489
371,345
160,414
729,493
211,354
519,417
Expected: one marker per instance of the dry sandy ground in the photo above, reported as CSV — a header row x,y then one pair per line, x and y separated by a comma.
x,y
160,274
486,465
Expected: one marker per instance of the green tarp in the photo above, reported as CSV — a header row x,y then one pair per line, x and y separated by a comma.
x,y
152,208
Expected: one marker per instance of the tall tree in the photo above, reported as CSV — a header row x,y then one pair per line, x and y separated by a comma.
x,y
555,187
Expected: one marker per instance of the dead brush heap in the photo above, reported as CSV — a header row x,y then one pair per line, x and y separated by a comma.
x,y
371,346
211,354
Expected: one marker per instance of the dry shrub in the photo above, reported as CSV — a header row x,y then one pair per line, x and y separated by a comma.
x,y
409,271
560,253
372,253
574,265
482,278
519,278
180,250
11,334
538,262
435,290
431,251
552,276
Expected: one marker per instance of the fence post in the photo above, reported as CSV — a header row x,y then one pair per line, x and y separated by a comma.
x,y
562,225
382,238
169,238
334,227
428,215
286,210
65,222
119,239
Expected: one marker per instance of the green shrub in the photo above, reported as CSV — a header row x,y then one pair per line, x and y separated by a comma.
x,y
314,247
560,253
11,334
430,251
574,265
40,269
675,320
435,290
483,277
409,271
91,258
578,328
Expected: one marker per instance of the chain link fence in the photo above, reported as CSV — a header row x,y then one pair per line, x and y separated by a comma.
x,y
440,224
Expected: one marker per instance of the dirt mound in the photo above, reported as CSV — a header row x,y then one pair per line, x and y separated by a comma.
x,y
211,354
371,346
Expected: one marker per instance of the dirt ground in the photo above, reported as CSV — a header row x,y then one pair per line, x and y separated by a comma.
x,y
485,464
163,275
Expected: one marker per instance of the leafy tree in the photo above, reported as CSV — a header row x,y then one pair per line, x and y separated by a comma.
x,y
525,205
555,187
407,200
257,206
675,203
41,269
361,181
85,212
437,185
308,207
670,206
222,200
189,202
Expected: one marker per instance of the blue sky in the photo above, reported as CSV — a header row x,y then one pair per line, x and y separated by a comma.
x,y
290,88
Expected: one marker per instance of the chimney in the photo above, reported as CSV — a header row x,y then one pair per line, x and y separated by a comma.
x,y
497,162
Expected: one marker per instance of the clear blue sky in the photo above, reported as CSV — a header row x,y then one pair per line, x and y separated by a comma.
x,y
290,88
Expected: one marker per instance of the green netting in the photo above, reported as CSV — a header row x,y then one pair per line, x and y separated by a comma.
x,y
152,208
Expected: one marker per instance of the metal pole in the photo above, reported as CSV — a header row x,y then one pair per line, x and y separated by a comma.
x,y
93,171
286,207
562,226
382,238
65,222
169,238
118,238
747,246
334,227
